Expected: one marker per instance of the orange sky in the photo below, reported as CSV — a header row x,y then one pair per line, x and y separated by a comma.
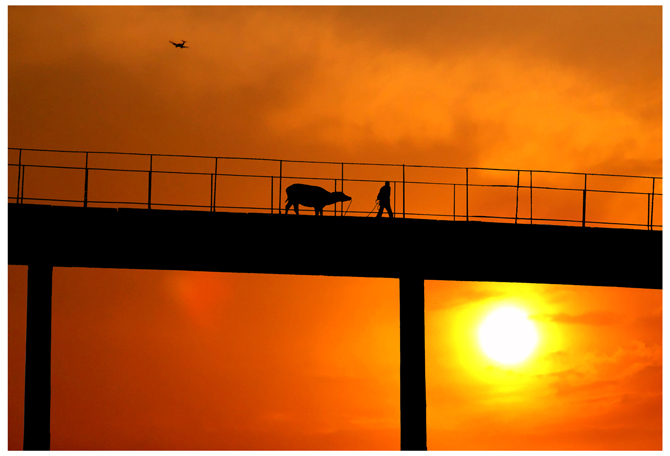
x,y
176,360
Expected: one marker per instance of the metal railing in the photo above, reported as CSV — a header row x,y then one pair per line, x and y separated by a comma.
x,y
460,182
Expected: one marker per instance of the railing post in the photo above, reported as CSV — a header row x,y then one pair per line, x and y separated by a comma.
x,y
216,175
531,197
151,163
272,195
335,205
584,204
467,202
342,188
403,191
23,180
394,198
211,192
518,178
280,172
653,191
18,183
86,183
648,211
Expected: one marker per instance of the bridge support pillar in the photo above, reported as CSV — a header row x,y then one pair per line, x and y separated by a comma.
x,y
412,365
37,404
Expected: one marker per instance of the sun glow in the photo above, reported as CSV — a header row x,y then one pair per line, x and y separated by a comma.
x,y
507,335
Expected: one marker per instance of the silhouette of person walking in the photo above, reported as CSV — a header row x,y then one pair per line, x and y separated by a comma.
x,y
384,198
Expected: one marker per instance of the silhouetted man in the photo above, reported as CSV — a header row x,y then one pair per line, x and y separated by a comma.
x,y
384,198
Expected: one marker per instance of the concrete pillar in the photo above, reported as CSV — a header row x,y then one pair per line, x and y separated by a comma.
x,y
37,408
412,365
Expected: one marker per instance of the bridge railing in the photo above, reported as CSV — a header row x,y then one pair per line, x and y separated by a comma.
x,y
193,182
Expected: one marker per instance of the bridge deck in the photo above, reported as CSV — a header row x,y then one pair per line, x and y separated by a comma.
x,y
335,246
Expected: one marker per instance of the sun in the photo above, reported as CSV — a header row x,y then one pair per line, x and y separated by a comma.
x,y
507,335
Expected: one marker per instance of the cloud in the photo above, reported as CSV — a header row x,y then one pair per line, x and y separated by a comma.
x,y
588,318
502,87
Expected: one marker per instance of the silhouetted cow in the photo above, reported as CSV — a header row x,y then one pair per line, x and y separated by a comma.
x,y
312,196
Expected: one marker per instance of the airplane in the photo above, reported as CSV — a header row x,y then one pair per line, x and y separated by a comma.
x,y
180,45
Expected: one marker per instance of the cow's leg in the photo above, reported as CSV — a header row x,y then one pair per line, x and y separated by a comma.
x,y
288,206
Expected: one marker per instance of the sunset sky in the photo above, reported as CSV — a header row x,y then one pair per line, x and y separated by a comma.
x,y
186,360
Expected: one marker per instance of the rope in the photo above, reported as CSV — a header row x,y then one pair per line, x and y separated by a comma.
x,y
373,209
345,212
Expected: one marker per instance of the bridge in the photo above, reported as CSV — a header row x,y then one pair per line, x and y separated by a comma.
x,y
457,244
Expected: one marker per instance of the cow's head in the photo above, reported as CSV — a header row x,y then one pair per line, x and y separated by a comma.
x,y
341,197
